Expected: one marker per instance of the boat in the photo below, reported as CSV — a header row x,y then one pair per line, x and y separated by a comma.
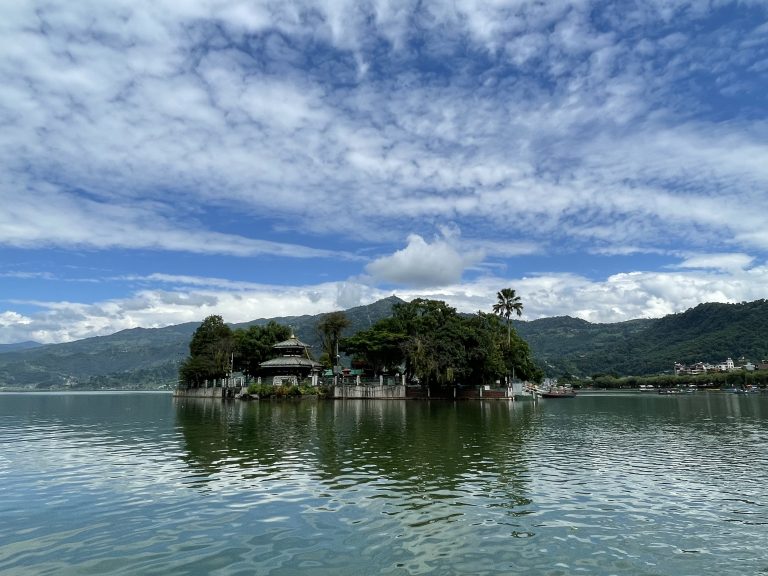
x,y
687,390
747,390
558,392
549,390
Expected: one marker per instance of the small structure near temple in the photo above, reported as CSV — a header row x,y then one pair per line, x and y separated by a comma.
x,y
293,364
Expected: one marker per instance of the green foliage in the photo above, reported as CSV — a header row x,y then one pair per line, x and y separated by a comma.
x,y
253,345
125,359
215,350
210,352
562,346
439,347
330,328
709,332
378,348
508,302
734,379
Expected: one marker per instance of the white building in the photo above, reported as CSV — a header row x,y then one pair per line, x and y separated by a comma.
x,y
726,366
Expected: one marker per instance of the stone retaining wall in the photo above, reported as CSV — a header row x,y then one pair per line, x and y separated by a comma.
x,y
378,392
212,392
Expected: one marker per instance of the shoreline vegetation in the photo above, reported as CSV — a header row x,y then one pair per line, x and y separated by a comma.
x,y
738,378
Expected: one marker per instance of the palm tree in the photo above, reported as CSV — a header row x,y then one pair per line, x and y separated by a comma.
x,y
508,302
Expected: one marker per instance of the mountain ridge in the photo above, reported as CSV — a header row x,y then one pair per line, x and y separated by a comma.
x,y
562,345
14,346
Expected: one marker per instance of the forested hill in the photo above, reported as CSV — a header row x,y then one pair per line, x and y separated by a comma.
x,y
150,357
19,346
708,333
142,357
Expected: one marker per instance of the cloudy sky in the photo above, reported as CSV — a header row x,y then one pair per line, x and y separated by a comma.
x,y
165,160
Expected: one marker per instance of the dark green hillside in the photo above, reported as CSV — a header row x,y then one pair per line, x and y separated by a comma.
x,y
564,345
709,332
128,357
19,346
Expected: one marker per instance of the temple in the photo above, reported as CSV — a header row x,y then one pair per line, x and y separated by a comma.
x,y
292,365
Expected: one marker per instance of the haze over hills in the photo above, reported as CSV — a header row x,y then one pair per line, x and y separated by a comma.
x,y
19,346
149,358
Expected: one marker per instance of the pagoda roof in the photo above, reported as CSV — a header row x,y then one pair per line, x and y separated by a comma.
x,y
292,342
290,362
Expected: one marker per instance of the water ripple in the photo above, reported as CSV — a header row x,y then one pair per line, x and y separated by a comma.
x,y
594,486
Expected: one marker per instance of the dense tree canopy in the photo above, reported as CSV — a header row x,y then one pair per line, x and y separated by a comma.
x,y
210,351
215,350
438,347
253,345
427,340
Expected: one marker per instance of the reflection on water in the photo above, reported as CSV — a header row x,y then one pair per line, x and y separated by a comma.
x,y
407,480
622,484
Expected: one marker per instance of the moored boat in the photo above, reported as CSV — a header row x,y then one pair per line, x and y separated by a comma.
x,y
559,392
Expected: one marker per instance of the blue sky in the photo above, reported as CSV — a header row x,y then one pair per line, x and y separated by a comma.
x,y
162,161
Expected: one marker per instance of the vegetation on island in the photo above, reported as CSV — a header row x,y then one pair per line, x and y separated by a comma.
x,y
426,340
438,347
216,350
330,328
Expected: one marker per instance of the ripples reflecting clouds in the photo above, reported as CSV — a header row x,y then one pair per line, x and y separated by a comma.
x,y
129,484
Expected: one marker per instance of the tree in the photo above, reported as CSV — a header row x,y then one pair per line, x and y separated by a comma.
x,y
330,328
507,303
255,344
380,347
210,352
440,347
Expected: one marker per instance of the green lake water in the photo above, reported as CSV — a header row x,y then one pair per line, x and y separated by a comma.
x,y
603,484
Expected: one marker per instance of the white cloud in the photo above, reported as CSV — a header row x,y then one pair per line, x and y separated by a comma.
x,y
70,220
618,297
546,128
734,262
190,300
194,114
422,263
10,318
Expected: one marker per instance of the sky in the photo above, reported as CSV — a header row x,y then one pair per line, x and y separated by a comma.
x,y
165,160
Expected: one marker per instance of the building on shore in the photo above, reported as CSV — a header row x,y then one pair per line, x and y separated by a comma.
x,y
726,366
292,365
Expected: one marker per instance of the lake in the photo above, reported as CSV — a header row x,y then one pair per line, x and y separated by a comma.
x,y
142,483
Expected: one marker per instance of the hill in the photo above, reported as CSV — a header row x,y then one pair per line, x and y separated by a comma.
x,y
709,332
149,358
142,357
19,346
